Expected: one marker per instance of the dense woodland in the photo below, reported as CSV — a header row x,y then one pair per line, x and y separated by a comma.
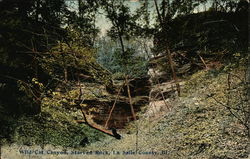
x,y
67,81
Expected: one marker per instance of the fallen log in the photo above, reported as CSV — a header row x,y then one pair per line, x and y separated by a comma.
x,y
110,133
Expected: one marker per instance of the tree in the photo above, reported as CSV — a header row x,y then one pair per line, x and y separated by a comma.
x,y
27,29
122,27
164,16
82,21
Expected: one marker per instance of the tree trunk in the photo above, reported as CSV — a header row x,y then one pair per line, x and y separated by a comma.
x,y
65,74
170,60
130,99
122,44
113,107
158,12
168,53
80,8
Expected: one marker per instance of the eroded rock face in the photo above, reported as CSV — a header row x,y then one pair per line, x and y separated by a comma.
x,y
138,87
97,102
121,115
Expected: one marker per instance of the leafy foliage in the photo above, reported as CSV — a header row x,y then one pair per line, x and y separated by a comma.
x,y
63,56
48,51
132,62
